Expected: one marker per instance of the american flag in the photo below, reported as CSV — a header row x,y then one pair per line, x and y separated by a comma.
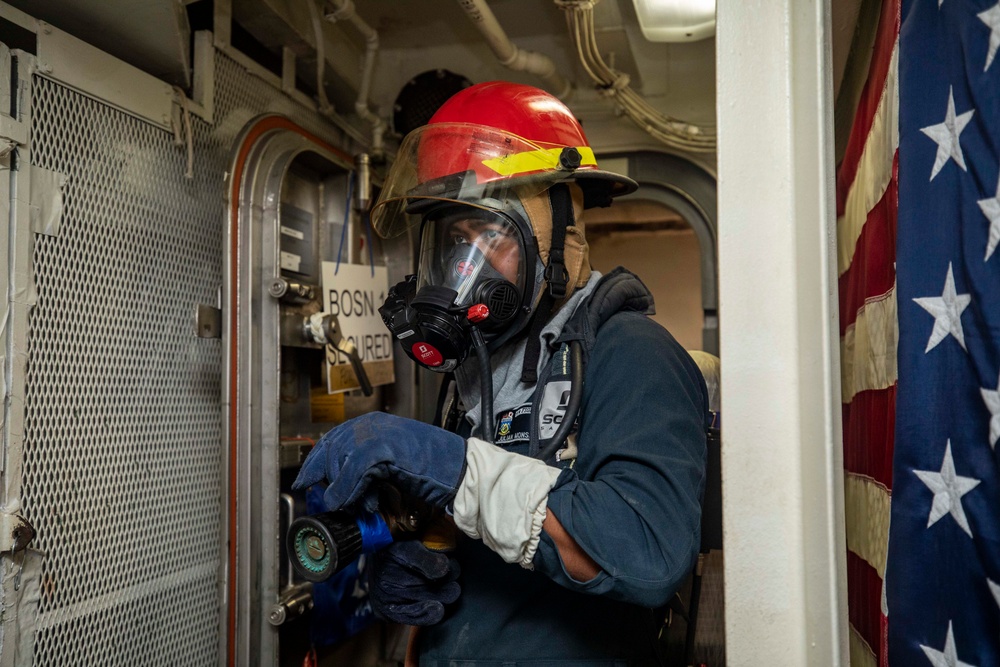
x,y
866,231
920,327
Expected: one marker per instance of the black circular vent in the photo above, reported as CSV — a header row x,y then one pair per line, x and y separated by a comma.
x,y
502,302
422,96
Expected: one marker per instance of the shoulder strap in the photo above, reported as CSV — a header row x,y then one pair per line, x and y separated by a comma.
x,y
447,414
618,291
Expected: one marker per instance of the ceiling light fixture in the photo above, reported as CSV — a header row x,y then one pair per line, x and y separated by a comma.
x,y
676,20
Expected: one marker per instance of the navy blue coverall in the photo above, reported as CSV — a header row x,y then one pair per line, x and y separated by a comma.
x,y
630,499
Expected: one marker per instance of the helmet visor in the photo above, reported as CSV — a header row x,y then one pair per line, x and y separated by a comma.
x,y
469,164
463,247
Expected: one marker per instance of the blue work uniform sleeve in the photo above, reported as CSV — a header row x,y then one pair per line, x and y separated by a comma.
x,y
632,501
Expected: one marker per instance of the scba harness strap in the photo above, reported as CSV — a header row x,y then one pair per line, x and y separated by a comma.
x,y
618,291
556,277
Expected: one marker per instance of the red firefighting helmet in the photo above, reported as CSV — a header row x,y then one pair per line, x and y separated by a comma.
x,y
489,144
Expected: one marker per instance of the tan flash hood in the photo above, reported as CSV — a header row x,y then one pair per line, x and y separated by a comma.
x,y
577,252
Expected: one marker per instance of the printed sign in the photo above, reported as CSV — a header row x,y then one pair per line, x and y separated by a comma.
x,y
354,296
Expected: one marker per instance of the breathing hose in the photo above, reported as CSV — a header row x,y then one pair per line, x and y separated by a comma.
x,y
485,384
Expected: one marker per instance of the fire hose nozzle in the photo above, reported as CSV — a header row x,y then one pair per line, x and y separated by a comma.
x,y
322,544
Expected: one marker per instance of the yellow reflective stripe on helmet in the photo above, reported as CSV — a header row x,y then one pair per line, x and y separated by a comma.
x,y
538,160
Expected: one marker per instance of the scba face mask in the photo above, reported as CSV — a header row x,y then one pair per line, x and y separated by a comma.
x,y
474,279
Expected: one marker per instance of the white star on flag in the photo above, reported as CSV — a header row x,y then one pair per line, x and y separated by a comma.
x,y
992,399
995,589
947,311
948,657
945,135
991,17
991,209
948,488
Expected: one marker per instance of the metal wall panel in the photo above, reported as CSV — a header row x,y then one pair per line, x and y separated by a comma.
x,y
123,453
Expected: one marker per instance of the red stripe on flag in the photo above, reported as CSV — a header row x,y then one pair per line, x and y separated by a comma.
x,y
869,419
885,41
869,424
883,655
872,272
864,602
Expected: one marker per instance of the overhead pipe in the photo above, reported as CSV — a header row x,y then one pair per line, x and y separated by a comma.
x,y
324,104
509,54
345,12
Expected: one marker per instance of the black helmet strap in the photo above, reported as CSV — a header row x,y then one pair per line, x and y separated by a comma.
x,y
556,276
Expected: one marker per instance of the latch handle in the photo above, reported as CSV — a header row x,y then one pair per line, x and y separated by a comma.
x,y
324,328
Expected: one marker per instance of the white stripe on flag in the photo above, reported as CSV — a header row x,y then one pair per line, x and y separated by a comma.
x,y
868,347
874,168
862,654
866,513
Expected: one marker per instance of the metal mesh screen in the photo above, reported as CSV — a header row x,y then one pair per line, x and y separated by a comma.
x,y
240,96
710,639
123,450
122,456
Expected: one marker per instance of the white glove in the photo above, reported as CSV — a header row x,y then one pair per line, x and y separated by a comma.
x,y
502,500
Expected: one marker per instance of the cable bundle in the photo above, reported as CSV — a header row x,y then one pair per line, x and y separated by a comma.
x,y
612,83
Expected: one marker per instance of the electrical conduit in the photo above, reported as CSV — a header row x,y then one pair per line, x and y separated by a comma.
x,y
508,54
345,12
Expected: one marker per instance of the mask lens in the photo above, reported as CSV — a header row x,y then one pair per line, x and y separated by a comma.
x,y
464,248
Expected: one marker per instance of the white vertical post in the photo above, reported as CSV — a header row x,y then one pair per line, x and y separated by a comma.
x,y
782,459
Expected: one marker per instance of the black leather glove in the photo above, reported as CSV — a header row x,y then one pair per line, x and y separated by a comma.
x,y
410,584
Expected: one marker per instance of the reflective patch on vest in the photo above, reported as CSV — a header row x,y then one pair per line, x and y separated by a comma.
x,y
553,407
513,426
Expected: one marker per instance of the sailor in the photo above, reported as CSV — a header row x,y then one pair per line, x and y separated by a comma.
x,y
571,447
